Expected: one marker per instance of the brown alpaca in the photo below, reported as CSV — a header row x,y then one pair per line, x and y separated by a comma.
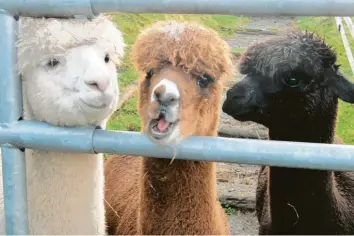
x,y
183,67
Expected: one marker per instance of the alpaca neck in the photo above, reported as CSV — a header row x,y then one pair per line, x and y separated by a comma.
x,y
307,123
181,194
310,192
65,192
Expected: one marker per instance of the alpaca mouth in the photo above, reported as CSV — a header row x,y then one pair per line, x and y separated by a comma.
x,y
93,106
257,115
244,116
161,129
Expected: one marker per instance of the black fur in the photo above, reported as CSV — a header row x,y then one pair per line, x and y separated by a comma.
x,y
289,200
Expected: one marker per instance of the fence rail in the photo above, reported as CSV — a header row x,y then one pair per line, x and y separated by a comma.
x,y
89,8
350,25
342,31
38,135
14,133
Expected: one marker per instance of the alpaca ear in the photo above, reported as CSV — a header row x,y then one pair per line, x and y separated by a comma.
x,y
340,86
244,64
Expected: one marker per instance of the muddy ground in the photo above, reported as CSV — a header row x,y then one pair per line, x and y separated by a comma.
x,y
236,183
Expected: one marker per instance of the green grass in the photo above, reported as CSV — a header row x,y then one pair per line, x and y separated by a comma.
x,y
229,210
127,118
131,25
345,126
326,27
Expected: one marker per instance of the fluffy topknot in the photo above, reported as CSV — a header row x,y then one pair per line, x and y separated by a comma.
x,y
40,38
296,50
188,45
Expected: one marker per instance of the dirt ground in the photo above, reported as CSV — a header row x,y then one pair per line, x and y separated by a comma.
x,y
236,183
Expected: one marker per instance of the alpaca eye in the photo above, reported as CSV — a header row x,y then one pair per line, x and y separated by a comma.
x,y
106,58
291,81
149,74
53,63
204,81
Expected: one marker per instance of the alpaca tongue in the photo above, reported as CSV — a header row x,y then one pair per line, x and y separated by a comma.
x,y
162,125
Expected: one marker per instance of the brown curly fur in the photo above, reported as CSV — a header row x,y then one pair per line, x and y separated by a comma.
x,y
197,50
153,196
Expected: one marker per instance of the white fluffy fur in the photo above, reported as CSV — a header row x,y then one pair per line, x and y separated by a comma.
x,y
40,38
65,190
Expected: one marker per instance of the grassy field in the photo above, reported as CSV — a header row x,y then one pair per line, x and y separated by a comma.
x,y
131,25
326,27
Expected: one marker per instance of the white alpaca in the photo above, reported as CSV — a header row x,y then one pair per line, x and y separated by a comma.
x,y
69,79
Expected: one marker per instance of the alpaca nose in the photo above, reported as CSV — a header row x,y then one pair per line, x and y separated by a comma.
x,y
166,92
100,84
238,92
165,98
229,94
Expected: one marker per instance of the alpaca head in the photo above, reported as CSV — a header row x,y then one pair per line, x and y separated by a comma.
x,y
288,79
182,68
68,68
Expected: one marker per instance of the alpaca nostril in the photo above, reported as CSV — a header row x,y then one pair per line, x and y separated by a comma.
x,y
98,84
157,95
159,91
233,96
162,115
92,84
167,99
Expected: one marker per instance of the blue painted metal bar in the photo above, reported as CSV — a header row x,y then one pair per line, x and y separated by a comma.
x,y
38,135
60,8
13,160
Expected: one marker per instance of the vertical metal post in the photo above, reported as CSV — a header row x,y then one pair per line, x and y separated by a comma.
x,y
13,160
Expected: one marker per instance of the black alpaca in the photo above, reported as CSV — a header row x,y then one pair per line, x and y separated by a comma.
x,y
292,86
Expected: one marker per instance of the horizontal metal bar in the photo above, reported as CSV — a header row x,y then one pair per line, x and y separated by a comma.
x,y
13,160
49,8
21,134
38,135
60,8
